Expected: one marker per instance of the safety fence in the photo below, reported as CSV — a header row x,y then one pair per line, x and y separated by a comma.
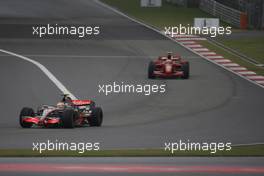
x,y
225,13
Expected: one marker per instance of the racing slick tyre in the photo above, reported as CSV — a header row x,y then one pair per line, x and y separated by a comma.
x,y
96,118
185,69
151,69
67,118
26,112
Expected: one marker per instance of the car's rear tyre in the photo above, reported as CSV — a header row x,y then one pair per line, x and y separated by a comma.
x,y
68,118
151,69
26,112
96,118
186,70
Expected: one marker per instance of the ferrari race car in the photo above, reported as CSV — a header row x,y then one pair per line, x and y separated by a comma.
x,y
67,113
169,67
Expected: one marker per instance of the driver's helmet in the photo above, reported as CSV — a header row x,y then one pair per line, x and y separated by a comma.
x,y
60,105
169,55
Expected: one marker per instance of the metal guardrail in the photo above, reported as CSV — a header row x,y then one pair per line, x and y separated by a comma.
x,y
221,11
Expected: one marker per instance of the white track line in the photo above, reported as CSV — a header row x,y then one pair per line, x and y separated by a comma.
x,y
44,70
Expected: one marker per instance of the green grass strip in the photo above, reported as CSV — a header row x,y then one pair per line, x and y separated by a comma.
x,y
232,57
250,150
249,46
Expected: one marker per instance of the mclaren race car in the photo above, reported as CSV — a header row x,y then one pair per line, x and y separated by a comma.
x,y
168,67
67,113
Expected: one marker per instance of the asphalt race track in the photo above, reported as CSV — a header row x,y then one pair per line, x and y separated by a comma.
x,y
213,105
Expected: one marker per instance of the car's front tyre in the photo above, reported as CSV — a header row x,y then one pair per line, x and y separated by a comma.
x,y
68,118
96,118
23,113
186,70
151,69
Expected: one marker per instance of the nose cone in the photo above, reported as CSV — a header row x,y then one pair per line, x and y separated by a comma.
x,y
168,68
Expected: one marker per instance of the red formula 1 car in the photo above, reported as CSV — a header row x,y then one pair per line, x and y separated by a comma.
x,y
66,114
168,67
